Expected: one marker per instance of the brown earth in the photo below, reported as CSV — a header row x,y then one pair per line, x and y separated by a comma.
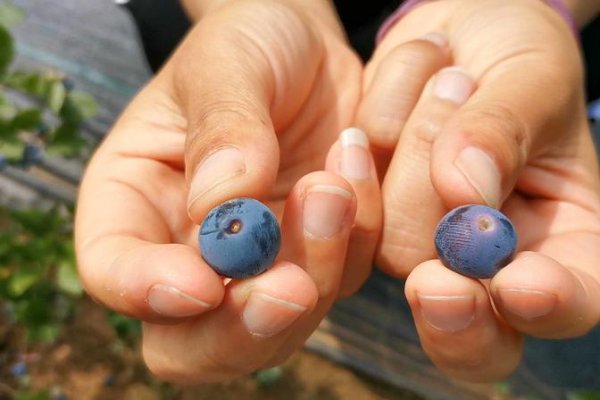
x,y
90,363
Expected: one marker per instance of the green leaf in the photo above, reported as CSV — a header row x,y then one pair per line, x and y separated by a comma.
x,y
10,15
47,333
19,80
21,281
7,49
37,307
39,222
126,328
56,96
67,278
269,377
32,83
12,150
84,104
7,109
65,140
583,395
43,395
26,120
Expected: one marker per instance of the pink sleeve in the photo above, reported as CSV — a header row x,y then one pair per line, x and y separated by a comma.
x,y
408,5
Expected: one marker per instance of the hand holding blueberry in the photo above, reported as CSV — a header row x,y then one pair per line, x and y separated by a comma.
x,y
479,126
237,112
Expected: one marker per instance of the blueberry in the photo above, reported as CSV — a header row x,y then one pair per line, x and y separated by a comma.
x,y
18,369
475,240
32,154
240,238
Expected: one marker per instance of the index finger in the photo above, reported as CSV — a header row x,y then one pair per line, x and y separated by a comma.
x,y
130,202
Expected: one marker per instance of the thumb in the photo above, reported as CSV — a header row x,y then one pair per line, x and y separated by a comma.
x,y
228,77
480,154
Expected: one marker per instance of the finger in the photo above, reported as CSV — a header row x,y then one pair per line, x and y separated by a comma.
x,y
230,79
317,223
539,296
412,206
457,325
154,282
480,153
393,84
238,337
319,214
350,158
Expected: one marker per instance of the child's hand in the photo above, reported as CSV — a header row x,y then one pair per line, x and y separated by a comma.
x,y
516,137
248,106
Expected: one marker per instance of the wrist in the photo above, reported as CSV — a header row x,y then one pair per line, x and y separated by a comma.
x,y
583,11
196,9
323,12
576,13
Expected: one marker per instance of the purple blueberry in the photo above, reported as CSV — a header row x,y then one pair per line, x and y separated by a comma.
x,y
240,238
18,369
475,241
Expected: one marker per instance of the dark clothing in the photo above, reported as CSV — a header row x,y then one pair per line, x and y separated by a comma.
x,y
162,24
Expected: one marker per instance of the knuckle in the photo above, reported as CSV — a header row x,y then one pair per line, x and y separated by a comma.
x,y
383,131
510,135
425,129
327,289
427,124
218,360
194,368
213,125
413,55
160,366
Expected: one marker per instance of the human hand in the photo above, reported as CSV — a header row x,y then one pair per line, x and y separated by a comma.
x,y
516,137
249,105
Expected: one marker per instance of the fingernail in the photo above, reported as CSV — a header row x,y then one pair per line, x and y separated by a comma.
x,y
266,316
447,313
436,38
172,302
217,168
355,159
453,84
482,173
527,304
325,208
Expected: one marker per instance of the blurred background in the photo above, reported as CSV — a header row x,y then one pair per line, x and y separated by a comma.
x,y
67,69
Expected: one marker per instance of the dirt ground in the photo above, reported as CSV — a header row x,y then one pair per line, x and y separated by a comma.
x,y
89,363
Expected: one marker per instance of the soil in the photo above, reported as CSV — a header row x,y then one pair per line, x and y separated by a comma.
x,y
89,362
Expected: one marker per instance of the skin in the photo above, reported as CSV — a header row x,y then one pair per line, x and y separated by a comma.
x,y
280,85
287,90
543,176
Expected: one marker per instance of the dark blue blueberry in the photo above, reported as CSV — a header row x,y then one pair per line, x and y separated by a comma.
x,y
109,380
240,238
32,154
18,369
68,84
475,241
43,129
